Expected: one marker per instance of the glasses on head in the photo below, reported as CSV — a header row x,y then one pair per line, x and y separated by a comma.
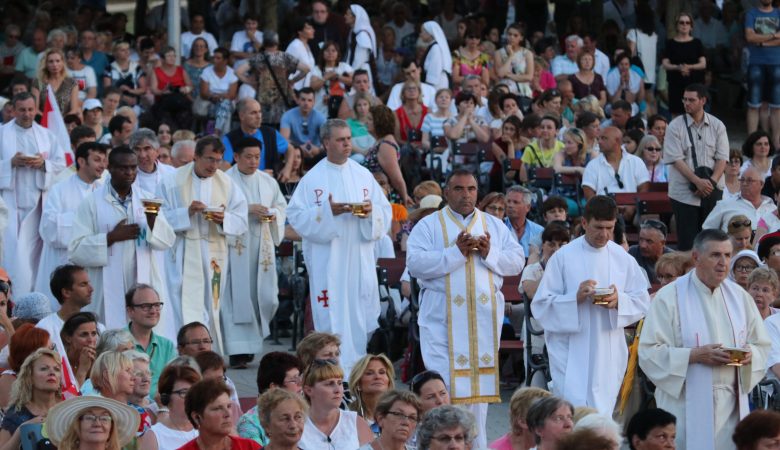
x,y
402,416
423,377
305,127
207,341
104,419
146,307
445,439
740,224
653,149
744,268
655,224
619,181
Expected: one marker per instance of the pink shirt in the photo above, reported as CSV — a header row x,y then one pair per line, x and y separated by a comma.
x,y
502,443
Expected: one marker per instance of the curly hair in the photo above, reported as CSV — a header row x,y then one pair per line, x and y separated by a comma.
x,y
22,389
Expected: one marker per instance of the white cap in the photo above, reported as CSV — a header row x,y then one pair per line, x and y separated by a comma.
x,y
91,103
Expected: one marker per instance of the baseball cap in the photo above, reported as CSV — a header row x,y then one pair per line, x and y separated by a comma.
x,y
92,103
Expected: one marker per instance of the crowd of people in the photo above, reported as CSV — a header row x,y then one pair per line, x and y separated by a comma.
x,y
476,142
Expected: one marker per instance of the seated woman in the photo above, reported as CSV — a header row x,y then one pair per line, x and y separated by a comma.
x,y
113,376
509,145
219,87
742,265
429,386
142,382
283,414
173,429
494,204
740,231
79,337
758,429
397,414
549,420
623,83
446,423
372,376
410,115
671,266
434,139
83,423
25,340
763,285
276,370
519,437
361,125
651,151
36,390
172,87
208,408
323,388
572,161
541,153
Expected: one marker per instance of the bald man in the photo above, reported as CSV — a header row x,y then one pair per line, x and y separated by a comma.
x,y
749,203
615,170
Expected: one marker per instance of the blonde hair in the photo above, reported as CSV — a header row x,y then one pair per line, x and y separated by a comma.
x,y
764,275
272,398
578,136
320,370
428,187
408,83
112,363
581,412
22,388
182,135
70,441
358,370
314,342
521,402
590,104
43,73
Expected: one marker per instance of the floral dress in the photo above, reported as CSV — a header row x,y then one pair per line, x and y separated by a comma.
x,y
272,101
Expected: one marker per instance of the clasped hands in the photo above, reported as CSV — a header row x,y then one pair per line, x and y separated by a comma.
x,y
467,243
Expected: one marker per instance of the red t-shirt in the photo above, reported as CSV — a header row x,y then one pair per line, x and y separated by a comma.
x,y
237,444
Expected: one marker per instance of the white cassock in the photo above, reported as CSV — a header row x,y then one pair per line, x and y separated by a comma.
x,y
114,269
149,181
196,267
461,302
339,251
586,343
3,224
56,228
696,393
250,301
23,190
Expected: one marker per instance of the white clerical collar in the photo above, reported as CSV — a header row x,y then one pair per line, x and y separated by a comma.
x,y
464,219
195,176
21,128
149,173
337,166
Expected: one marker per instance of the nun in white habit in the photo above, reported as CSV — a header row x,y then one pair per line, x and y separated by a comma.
x,y
437,63
361,45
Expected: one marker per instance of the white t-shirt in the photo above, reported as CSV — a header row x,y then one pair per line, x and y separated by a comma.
x,y
301,51
216,84
600,176
319,97
241,43
188,38
646,50
613,81
85,78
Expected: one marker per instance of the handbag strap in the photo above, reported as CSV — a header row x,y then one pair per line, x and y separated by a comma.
x,y
276,81
690,138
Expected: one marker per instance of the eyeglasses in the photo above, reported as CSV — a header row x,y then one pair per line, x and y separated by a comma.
x,y
495,208
104,419
653,149
748,181
181,392
146,307
684,22
143,375
208,341
445,439
402,416
424,377
5,286
735,162
744,268
619,181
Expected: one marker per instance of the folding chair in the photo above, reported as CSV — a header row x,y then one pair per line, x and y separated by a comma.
x,y
469,156
541,178
570,183
766,395
535,362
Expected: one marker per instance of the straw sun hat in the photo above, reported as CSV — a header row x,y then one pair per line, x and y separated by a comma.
x,y
125,418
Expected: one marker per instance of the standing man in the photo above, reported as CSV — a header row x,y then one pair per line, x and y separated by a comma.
x,y
338,241
518,204
59,212
95,59
585,341
682,347
146,146
652,244
29,159
328,26
251,301
460,255
207,210
143,308
762,33
118,241
695,185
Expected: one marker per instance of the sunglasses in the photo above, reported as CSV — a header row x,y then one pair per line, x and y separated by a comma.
x,y
741,224
684,22
653,149
619,181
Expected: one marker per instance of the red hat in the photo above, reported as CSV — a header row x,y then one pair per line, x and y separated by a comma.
x,y
4,275
767,241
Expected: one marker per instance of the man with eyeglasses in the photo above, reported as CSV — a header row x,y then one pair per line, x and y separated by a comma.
x,y
193,338
652,244
208,212
144,308
695,186
749,203
615,170
704,346
117,241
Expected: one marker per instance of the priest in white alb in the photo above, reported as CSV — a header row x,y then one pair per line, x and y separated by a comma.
x,y
59,212
684,347
120,243
339,210
207,211
29,160
251,300
460,257
583,325
146,145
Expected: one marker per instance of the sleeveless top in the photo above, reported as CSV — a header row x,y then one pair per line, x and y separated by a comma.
x,y
518,66
372,157
62,95
405,124
177,80
170,439
344,436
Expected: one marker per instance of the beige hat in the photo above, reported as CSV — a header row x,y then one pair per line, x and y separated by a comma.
x,y
125,418
428,203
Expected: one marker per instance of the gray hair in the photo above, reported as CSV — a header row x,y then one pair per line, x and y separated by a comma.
x,y
182,144
144,134
528,196
185,360
602,425
135,355
709,235
573,38
110,340
57,32
326,130
242,104
444,418
644,142
468,78
543,410
270,38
